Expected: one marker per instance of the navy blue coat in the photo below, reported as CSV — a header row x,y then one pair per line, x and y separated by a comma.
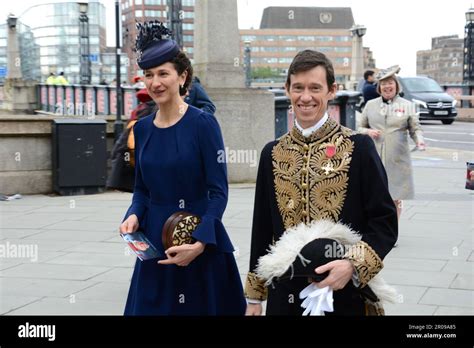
x,y
177,168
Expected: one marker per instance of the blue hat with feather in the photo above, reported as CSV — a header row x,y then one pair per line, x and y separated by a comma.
x,y
153,45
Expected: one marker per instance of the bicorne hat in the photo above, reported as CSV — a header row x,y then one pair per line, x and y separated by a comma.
x,y
303,248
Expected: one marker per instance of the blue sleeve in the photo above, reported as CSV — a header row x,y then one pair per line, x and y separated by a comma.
x,y
370,92
141,195
201,100
211,231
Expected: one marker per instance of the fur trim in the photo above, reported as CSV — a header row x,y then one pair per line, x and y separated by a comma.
x,y
384,292
285,251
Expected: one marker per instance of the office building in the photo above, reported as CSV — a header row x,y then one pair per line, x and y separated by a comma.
x,y
444,61
284,31
146,10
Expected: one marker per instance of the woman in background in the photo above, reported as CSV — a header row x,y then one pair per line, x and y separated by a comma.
x,y
388,120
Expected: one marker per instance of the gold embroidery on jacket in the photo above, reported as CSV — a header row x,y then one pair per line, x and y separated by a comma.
x,y
308,184
365,260
255,288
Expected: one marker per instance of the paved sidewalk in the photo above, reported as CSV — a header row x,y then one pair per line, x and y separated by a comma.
x,y
83,266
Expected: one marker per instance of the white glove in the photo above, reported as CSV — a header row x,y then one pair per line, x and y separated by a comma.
x,y
317,300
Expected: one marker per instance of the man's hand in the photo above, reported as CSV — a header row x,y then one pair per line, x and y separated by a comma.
x,y
182,255
340,272
254,309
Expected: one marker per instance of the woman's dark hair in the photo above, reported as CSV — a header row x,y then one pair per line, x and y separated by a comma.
x,y
307,60
182,63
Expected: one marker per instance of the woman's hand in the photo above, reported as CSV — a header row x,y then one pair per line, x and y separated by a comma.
x,y
253,309
182,255
374,133
421,146
130,225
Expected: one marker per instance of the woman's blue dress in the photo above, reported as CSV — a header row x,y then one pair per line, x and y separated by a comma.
x,y
180,168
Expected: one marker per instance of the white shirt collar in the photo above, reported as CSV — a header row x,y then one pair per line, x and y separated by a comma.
x,y
308,131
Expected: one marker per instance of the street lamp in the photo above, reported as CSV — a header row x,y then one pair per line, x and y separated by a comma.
x,y
11,21
357,31
175,21
118,125
13,51
85,69
83,7
468,67
247,62
470,15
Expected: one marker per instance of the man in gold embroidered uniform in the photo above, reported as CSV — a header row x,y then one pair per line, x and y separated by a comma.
x,y
320,170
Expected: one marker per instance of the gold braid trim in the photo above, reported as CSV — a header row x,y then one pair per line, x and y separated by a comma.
x,y
374,308
255,288
308,184
365,260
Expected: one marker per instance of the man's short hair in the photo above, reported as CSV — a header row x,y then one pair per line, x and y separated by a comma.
x,y
368,73
307,60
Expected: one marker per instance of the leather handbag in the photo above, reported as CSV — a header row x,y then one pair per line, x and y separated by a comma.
x,y
178,229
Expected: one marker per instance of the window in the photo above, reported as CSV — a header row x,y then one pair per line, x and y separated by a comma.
x,y
188,26
305,38
153,13
188,2
342,49
342,38
249,38
139,13
154,2
187,14
187,38
138,2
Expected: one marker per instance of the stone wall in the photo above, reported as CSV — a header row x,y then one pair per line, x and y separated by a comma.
x,y
25,152
247,120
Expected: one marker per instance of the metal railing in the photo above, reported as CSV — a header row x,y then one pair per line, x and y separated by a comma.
x,y
88,100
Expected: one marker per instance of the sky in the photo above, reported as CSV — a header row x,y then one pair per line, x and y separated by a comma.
x,y
395,29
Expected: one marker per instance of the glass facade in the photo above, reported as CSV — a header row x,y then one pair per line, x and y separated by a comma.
x,y
29,53
108,67
55,30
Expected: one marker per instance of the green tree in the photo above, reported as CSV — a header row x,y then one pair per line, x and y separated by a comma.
x,y
265,72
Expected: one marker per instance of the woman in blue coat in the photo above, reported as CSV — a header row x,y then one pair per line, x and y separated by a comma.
x,y
177,168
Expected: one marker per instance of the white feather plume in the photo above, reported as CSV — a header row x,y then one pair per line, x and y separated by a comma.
x,y
284,252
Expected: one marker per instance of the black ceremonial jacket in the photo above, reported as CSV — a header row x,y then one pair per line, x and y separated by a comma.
x,y
301,179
